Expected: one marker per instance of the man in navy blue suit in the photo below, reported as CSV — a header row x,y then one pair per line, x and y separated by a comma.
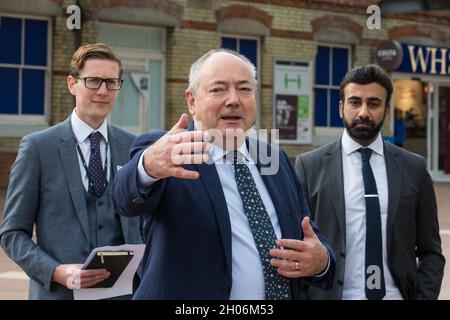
x,y
224,215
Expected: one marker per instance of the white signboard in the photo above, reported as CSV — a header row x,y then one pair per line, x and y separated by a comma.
x,y
293,101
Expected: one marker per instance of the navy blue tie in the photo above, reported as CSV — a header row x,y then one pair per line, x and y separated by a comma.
x,y
276,286
374,274
97,175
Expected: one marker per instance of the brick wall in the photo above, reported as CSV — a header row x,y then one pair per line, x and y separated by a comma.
x,y
62,102
9,145
6,160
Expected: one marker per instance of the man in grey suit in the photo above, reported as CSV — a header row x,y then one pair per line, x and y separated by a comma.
x,y
59,183
373,201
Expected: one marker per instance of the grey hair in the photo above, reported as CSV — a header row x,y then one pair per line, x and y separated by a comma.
x,y
197,65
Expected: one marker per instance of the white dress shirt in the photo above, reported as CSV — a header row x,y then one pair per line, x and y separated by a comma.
x,y
355,217
81,132
247,272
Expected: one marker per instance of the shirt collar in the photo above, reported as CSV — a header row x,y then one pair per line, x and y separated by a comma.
x,y
217,154
82,130
349,145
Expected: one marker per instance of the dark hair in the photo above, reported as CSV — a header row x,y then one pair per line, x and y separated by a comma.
x,y
365,75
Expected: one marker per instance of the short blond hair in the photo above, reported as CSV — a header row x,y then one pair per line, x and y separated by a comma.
x,y
92,51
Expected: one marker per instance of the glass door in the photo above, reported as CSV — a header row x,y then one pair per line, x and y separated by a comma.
x,y
439,130
130,110
431,132
443,106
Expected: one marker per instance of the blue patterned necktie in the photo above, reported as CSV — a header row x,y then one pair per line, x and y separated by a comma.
x,y
97,176
375,286
276,286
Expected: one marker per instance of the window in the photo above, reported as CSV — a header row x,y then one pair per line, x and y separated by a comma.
x,y
331,65
24,66
244,46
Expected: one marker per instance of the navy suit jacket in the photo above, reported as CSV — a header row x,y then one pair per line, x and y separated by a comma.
x,y
188,231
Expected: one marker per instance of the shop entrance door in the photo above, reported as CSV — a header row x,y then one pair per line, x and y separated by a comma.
x,y
410,102
444,129
439,130
425,107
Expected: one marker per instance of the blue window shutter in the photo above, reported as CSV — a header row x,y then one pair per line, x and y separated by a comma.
x,y
229,43
36,42
321,107
10,35
340,64
33,92
335,119
323,65
9,90
249,49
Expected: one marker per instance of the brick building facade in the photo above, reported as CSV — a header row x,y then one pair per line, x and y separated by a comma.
x,y
158,40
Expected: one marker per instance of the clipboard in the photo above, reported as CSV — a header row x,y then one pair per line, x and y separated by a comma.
x,y
113,261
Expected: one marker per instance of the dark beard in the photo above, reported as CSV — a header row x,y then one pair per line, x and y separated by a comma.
x,y
365,133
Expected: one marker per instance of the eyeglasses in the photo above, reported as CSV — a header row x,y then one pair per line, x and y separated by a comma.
x,y
96,83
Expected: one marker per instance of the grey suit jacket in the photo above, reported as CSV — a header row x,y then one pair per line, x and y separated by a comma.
x,y
412,224
46,191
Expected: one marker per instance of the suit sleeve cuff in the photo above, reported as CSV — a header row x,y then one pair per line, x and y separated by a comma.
x,y
144,180
326,269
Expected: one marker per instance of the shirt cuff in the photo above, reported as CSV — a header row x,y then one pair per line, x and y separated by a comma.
x,y
144,180
326,269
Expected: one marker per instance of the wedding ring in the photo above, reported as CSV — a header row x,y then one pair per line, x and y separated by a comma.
x,y
296,266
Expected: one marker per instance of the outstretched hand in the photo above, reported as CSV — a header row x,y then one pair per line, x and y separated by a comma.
x,y
177,147
300,258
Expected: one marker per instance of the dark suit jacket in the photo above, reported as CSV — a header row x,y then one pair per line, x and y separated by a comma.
x,y
45,189
412,224
188,253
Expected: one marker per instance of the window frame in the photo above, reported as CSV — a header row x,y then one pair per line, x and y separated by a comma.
x,y
328,131
9,122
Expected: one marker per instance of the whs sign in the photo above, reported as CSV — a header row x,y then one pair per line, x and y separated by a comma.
x,y
410,58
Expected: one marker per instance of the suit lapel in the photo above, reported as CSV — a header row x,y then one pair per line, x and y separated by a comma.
x,y
394,177
213,188
69,158
119,156
283,214
211,182
119,151
332,161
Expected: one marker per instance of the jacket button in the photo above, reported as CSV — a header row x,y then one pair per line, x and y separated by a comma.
x,y
85,252
100,227
339,282
342,254
101,203
226,289
136,200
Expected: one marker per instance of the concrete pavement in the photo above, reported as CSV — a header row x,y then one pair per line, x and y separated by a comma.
x,y
14,282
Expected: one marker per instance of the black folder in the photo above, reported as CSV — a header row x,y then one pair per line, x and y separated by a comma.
x,y
113,261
